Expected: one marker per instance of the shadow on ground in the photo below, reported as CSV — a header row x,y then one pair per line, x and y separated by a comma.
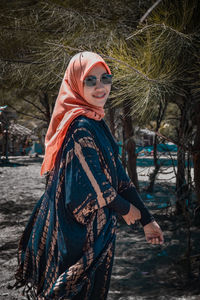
x,y
140,271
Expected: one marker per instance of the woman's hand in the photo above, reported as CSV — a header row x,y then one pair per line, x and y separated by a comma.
x,y
153,233
133,215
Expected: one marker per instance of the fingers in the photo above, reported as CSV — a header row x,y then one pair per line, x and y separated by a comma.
x,y
132,221
127,220
161,238
155,240
153,233
132,216
139,215
137,218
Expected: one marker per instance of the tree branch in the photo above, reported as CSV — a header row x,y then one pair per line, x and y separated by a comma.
x,y
62,46
26,29
186,36
149,11
130,67
109,58
28,101
32,116
21,61
172,141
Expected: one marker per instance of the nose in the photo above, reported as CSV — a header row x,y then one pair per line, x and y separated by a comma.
x,y
99,84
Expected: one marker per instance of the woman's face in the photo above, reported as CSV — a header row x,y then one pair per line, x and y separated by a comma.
x,y
98,94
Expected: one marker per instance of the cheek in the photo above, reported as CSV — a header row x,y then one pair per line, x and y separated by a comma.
x,y
108,89
87,93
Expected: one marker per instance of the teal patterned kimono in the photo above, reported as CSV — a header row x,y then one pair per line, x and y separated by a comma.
x,y
67,248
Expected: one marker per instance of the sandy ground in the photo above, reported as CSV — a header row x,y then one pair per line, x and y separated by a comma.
x,y
140,271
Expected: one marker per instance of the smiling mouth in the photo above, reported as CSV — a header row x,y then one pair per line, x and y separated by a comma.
x,y
99,96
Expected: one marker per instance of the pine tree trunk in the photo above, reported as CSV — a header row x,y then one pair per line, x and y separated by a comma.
x,y
124,162
44,100
6,142
180,181
132,161
156,167
130,146
161,112
196,156
181,184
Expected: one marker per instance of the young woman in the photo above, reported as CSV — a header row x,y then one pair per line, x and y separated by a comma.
x,y
67,248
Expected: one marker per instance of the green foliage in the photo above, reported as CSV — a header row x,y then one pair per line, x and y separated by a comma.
x,y
39,38
159,61
152,62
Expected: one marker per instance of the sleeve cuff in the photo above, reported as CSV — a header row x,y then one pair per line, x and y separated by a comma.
x,y
120,205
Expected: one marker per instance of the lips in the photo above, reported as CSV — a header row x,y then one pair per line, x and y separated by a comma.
x,y
99,96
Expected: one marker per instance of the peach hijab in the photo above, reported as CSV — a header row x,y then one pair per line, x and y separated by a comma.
x,y
70,104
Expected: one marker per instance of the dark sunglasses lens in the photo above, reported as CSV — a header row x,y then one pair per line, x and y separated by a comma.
x,y
106,78
90,81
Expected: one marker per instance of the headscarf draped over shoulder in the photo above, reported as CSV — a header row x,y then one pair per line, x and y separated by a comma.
x,y
70,104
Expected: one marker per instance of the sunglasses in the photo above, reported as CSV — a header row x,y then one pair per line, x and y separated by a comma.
x,y
92,80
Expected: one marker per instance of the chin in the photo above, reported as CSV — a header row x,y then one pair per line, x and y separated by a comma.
x,y
101,104
98,102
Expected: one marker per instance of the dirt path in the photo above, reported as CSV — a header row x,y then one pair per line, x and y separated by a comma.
x,y
140,271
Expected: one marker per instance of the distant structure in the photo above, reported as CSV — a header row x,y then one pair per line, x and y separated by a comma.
x,y
144,137
15,139
20,139
5,116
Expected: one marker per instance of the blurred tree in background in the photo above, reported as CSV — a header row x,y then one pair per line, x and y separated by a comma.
x,y
40,37
165,51
155,61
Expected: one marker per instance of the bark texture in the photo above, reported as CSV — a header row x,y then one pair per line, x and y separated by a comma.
x,y
130,146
